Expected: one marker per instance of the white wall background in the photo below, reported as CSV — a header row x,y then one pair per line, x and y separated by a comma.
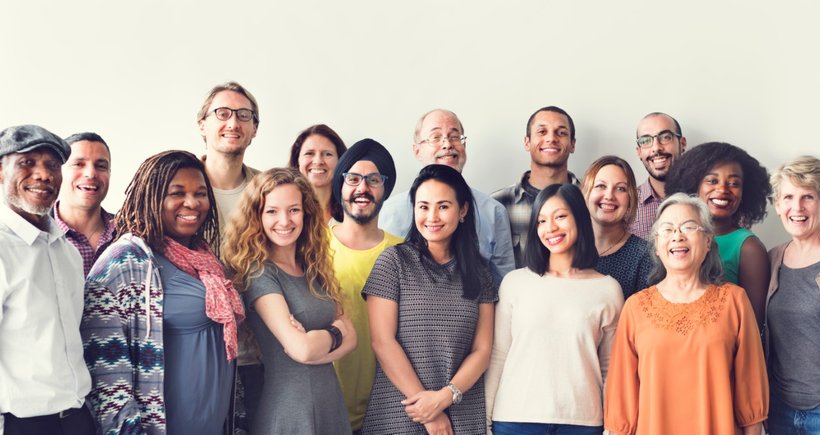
x,y
136,72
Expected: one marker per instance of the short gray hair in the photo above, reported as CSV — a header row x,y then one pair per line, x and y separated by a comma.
x,y
711,270
803,172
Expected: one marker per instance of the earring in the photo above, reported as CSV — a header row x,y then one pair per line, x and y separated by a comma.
x,y
461,220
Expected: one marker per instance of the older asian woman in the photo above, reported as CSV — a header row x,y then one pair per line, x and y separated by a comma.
x,y
793,302
612,199
735,188
687,356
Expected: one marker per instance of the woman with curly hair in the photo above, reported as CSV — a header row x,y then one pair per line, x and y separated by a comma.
x,y
277,251
315,153
735,187
159,326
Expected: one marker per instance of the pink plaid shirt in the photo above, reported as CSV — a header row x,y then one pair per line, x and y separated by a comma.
x,y
648,202
82,244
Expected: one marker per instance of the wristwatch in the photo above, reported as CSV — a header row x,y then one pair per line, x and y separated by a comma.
x,y
456,393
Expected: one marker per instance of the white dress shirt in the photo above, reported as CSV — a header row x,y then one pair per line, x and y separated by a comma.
x,y
41,294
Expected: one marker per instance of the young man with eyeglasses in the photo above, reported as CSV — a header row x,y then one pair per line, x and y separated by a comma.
x,y
228,120
550,139
659,143
439,138
363,179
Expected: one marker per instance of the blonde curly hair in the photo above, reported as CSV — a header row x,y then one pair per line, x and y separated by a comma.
x,y
245,246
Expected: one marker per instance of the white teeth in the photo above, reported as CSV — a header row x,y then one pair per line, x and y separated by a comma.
x,y
88,188
189,218
798,218
553,240
283,232
676,250
720,202
318,171
608,207
658,160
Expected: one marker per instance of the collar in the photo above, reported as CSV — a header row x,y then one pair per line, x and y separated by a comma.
x,y
524,186
646,192
106,218
24,229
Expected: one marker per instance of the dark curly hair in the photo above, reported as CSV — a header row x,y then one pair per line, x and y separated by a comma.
x,y
689,169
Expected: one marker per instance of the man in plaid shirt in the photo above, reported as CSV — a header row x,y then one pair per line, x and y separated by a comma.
x,y
550,139
79,211
659,143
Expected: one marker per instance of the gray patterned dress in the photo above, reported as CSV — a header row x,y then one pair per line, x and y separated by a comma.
x,y
436,326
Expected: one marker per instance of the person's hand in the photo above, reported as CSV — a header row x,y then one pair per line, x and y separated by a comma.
x,y
439,425
295,323
424,406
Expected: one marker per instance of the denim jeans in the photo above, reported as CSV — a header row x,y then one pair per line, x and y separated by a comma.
x,y
785,420
507,428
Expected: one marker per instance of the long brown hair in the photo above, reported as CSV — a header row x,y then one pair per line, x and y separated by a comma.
x,y
245,247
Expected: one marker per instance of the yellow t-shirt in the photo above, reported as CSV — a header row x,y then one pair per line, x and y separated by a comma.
x,y
357,369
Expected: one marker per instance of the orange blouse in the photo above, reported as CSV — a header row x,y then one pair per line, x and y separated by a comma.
x,y
692,368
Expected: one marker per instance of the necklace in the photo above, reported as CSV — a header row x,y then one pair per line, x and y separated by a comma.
x,y
614,244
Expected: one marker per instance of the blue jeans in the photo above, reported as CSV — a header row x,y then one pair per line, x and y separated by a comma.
x,y
785,420
507,428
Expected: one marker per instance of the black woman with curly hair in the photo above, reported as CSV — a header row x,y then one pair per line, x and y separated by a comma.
x,y
735,187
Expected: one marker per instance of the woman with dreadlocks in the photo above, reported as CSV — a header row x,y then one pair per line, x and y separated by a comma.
x,y
159,326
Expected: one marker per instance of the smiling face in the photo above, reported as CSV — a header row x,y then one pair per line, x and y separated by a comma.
x,y
185,205
722,189
231,136
798,209
657,159
679,252
437,213
31,182
608,199
556,227
86,175
444,124
317,160
283,216
363,202
549,142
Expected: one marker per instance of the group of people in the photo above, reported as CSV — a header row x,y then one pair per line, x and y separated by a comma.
x,y
310,299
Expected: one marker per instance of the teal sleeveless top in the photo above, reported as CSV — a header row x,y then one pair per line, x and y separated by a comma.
x,y
729,247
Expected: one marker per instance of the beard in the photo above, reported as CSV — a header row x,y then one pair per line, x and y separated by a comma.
x,y
362,219
14,200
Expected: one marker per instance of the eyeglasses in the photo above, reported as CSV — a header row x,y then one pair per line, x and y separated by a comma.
x,y
666,231
372,180
665,137
225,113
437,139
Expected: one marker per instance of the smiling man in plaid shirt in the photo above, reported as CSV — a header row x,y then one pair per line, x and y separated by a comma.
x,y
659,143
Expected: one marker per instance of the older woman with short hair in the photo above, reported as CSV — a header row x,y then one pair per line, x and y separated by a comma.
x,y
793,301
687,356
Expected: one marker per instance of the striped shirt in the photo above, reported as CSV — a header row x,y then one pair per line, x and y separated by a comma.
x,y
78,239
648,202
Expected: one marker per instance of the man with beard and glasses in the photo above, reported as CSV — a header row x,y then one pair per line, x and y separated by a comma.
x,y
43,377
660,142
439,138
362,180
550,139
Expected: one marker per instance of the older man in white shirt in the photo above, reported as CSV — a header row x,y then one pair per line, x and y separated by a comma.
x,y
43,378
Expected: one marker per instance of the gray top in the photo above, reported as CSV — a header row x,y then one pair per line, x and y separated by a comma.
x,y
794,326
297,398
630,265
436,326
198,376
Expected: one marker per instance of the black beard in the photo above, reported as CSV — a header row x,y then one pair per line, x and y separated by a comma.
x,y
362,219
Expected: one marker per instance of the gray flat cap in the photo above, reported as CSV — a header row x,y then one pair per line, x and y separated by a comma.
x,y
24,138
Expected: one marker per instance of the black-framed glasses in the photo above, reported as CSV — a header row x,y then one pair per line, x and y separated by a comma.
x,y
437,139
372,180
225,113
687,228
665,138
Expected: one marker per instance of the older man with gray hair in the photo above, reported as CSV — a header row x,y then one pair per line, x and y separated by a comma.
x,y
43,378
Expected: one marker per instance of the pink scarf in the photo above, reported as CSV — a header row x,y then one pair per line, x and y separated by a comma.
x,y
222,304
